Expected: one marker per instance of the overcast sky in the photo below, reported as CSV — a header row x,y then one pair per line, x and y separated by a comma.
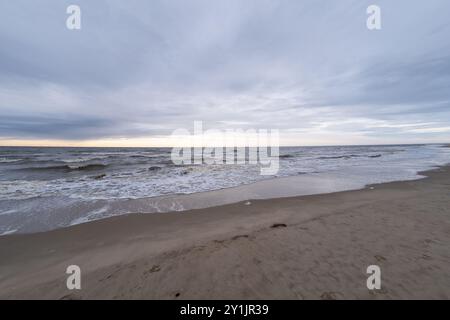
x,y
137,70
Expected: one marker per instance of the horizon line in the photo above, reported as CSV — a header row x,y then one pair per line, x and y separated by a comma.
x,y
280,146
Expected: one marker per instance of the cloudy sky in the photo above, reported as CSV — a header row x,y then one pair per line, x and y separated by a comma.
x,y
137,70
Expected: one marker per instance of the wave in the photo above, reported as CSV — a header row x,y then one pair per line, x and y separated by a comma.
x,y
86,159
6,160
349,156
87,167
335,157
283,156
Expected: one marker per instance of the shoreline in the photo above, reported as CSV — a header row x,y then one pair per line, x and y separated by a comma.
x,y
40,206
318,183
310,247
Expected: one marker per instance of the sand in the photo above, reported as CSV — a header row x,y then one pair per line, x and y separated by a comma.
x,y
310,247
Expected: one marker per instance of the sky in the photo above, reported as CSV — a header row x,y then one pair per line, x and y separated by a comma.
x,y
138,70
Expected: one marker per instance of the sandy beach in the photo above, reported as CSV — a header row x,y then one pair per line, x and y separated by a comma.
x,y
310,247
224,150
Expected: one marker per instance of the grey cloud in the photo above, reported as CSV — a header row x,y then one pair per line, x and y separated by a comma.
x,y
147,67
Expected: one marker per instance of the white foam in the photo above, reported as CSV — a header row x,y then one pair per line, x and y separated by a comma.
x,y
9,231
6,160
84,159
90,216
2,213
397,162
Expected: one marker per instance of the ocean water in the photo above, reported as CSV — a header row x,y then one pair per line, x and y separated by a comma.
x,y
47,188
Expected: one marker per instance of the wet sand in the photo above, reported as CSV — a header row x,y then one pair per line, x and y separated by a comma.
x,y
310,247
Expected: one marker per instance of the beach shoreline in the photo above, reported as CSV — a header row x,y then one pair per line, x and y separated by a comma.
x,y
307,247
42,190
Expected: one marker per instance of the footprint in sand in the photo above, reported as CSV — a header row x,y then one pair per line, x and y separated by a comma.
x,y
153,269
278,225
331,295
240,236
71,296
378,291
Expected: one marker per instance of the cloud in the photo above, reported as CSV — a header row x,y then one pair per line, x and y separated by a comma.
x,y
309,68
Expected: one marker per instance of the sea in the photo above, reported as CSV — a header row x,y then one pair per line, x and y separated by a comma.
x,y
48,188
